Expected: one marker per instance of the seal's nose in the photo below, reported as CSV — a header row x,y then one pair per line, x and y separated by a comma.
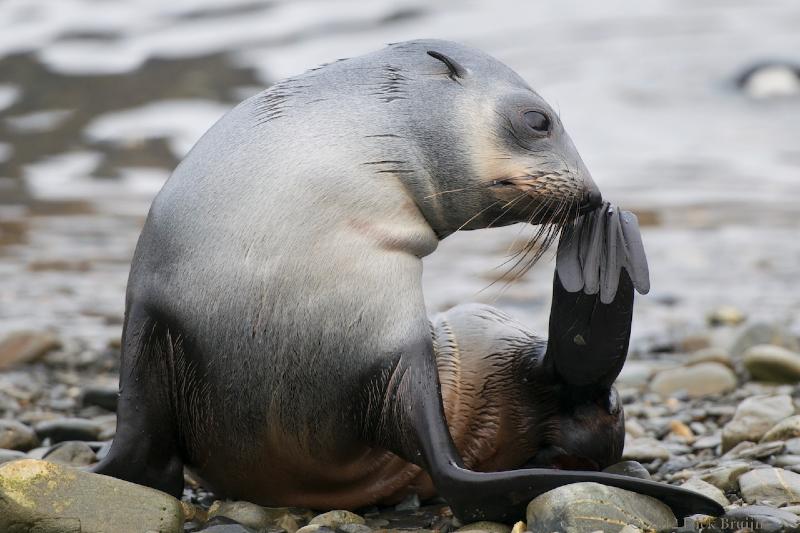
x,y
593,198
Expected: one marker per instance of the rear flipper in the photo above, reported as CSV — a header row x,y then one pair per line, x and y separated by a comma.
x,y
145,447
590,331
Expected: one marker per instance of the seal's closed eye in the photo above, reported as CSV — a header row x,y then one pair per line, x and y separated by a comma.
x,y
594,250
456,70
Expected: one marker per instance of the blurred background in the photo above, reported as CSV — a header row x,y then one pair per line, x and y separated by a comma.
x,y
686,112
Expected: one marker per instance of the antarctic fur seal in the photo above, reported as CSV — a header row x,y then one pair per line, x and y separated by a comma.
x,y
276,340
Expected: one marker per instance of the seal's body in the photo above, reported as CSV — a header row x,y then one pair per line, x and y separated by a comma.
x,y
276,340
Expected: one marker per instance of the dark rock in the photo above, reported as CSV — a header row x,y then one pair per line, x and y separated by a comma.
x,y
68,429
105,397
410,503
676,465
222,524
761,518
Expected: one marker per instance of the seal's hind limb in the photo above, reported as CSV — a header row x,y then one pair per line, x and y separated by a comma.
x,y
589,335
145,448
418,423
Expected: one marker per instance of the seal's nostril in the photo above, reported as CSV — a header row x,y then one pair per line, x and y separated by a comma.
x,y
594,198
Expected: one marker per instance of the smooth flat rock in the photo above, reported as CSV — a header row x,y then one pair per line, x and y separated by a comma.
x,y
754,417
707,489
26,346
334,519
51,498
775,364
713,354
644,450
772,486
699,380
254,516
582,507
749,450
636,374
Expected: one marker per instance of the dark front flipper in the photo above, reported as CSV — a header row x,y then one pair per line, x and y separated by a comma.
x,y
600,261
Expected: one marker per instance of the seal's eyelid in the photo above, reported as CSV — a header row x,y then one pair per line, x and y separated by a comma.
x,y
456,70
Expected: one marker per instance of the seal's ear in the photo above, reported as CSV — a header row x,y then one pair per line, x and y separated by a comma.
x,y
456,70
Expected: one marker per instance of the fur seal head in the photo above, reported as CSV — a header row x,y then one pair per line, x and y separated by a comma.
x,y
496,153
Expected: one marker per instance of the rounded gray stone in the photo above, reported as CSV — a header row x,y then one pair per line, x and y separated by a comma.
x,y
254,516
17,436
628,468
644,450
754,417
334,519
764,334
699,380
582,507
770,363
62,429
48,498
75,453
772,486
